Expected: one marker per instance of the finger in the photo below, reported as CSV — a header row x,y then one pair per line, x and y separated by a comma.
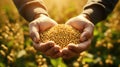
x,y
74,48
46,24
84,36
84,45
75,23
52,51
35,37
59,54
34,32
87,33
80,47
67,54
43,47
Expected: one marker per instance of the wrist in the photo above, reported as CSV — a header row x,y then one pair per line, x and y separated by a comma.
x,y
86,16
39,15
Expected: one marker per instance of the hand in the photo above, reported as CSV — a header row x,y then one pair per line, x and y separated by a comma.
x,y
39,25
86,27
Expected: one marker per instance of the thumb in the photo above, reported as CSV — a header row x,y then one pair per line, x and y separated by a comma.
x,y
35,37
34,32
86,34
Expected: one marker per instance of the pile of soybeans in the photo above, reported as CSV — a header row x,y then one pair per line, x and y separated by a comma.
x,y
61,34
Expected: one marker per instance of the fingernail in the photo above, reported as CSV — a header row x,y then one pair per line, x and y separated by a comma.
x,y
51,44
55,50
70,47
84,39
36,40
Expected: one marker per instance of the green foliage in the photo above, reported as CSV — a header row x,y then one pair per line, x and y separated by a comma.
x,y
58,63
2,65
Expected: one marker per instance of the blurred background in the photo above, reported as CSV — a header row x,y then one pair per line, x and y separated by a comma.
x,y
16,48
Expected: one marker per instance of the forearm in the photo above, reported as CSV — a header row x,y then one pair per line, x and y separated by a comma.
x,y
98,10
30,8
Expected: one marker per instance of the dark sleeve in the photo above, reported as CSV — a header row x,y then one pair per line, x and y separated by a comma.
x,y
98,10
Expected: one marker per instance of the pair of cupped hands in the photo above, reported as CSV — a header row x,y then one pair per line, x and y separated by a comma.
x,y
50,48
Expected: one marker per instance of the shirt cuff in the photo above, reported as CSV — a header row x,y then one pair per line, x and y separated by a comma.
x,y
96,12
32,8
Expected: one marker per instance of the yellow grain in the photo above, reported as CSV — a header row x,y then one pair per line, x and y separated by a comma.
x,y
61,34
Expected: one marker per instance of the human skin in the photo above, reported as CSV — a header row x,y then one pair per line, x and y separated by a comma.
x,y
83,24
41,24
80,22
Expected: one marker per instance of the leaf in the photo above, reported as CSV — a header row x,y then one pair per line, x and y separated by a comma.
x,y
2,65
87,59
58,62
